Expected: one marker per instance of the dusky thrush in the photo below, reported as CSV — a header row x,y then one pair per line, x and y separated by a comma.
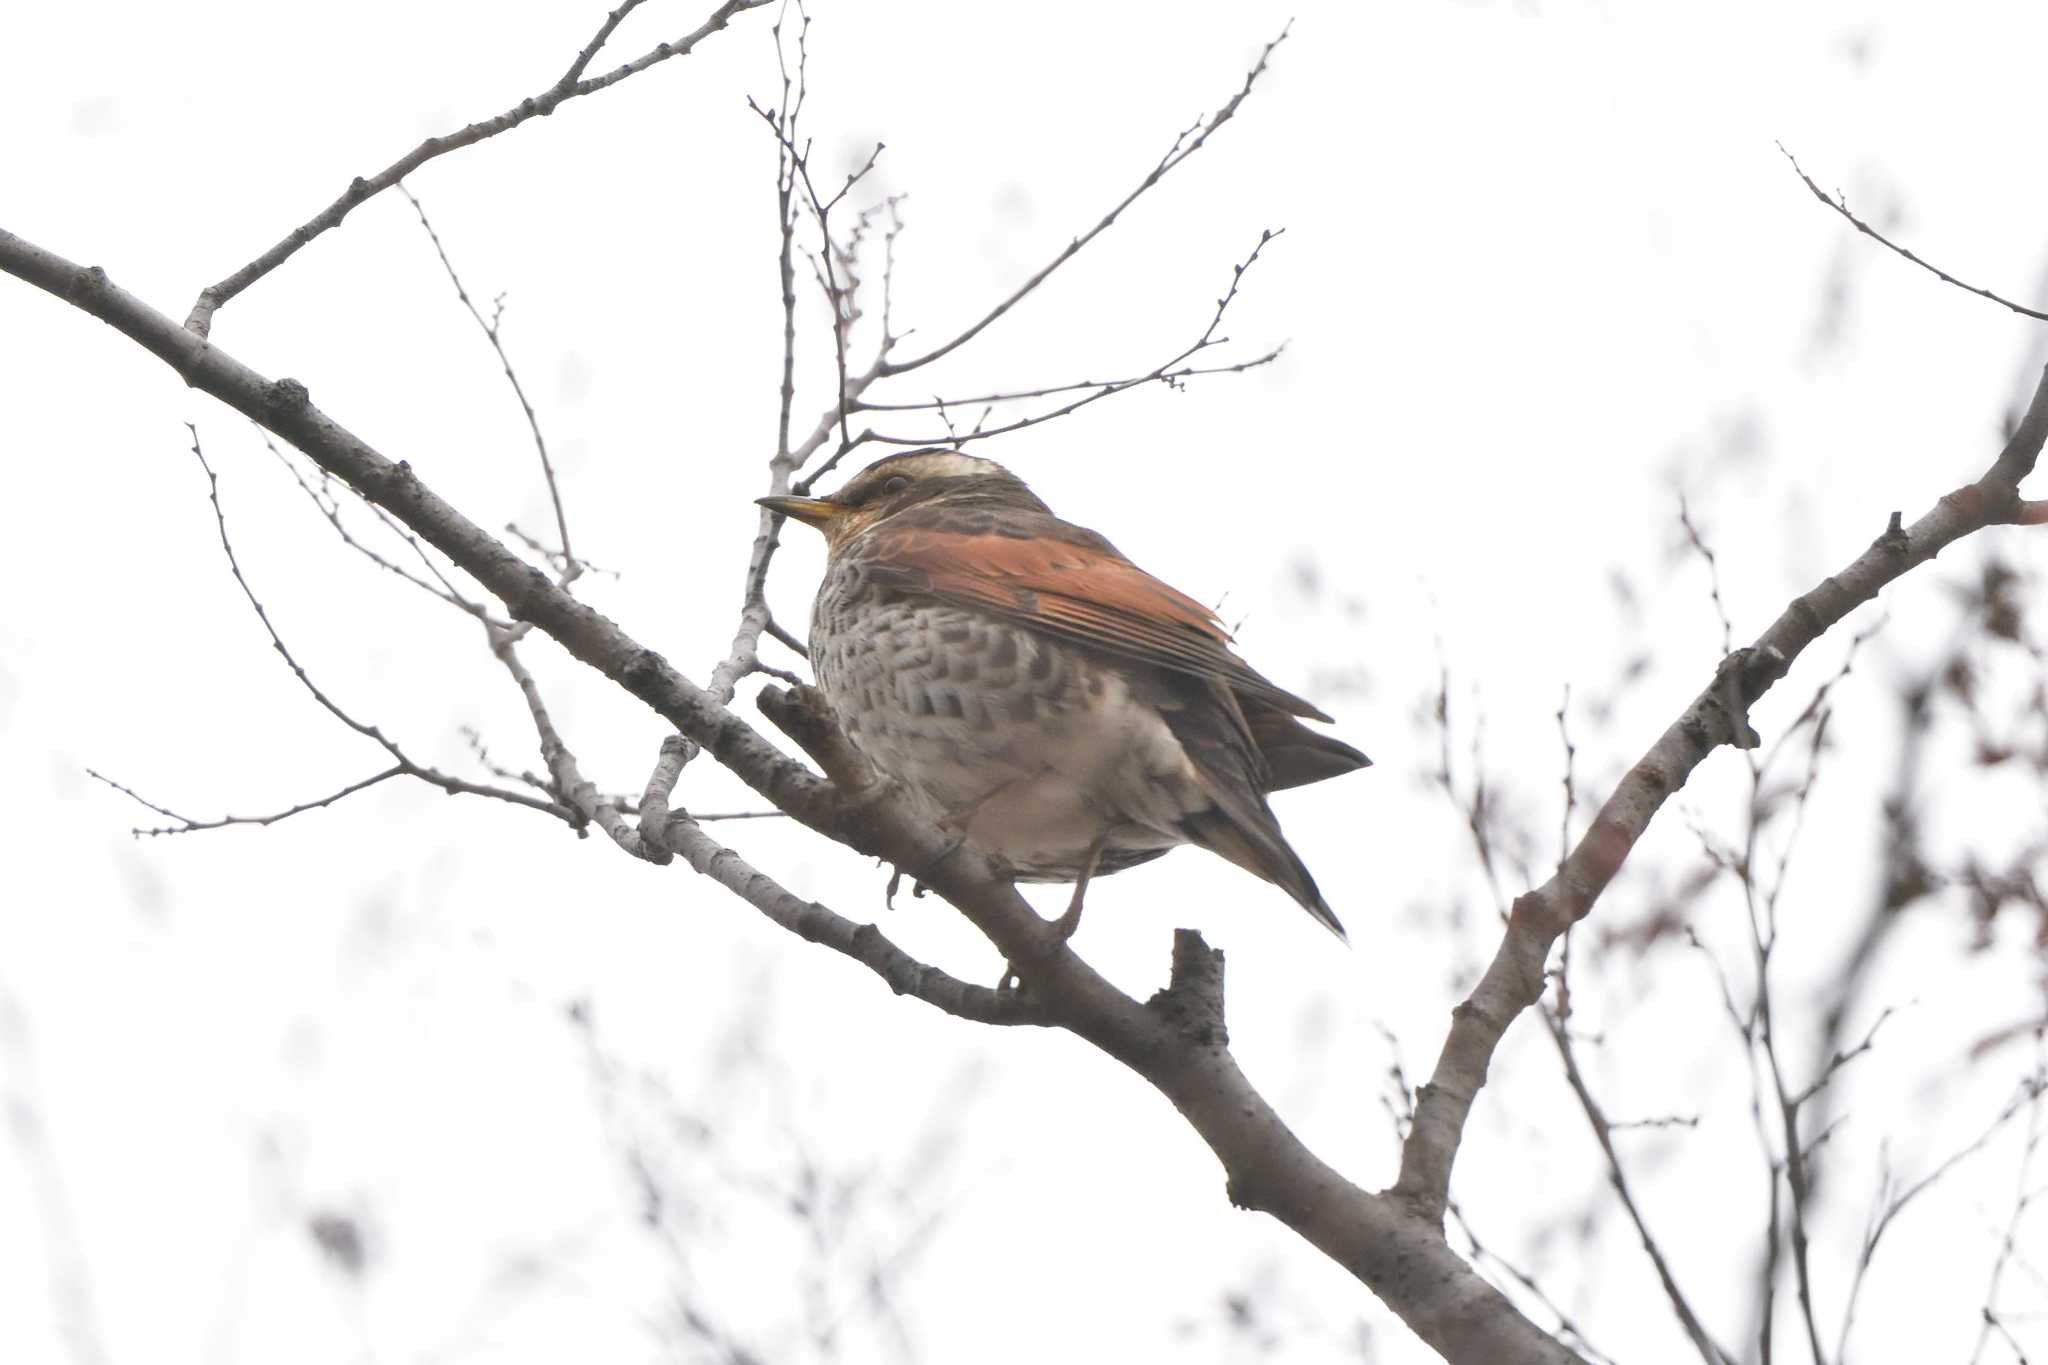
x,y
1038,694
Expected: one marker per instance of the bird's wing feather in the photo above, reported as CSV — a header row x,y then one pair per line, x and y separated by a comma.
x,y
1072,585
1239,825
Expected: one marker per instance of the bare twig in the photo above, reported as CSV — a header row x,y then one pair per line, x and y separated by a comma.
x,y
1559,1023
1698,541
402,763
188,824
569,795
1841,1058
1185,144
571,85
572,567
1169,372
981,431
597,41
1477,813
1791,1158
743,658
329,507
1514,980
1893,1201
1565,1323
1570,803
1835,202
938,404
2025,1192
794,164
552,555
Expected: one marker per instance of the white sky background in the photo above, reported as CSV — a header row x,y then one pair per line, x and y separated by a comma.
x,y
1543,263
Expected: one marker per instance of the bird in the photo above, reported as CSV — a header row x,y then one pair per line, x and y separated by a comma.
x,y
1038,695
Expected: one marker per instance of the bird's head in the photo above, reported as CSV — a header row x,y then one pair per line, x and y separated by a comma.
x,y
896,483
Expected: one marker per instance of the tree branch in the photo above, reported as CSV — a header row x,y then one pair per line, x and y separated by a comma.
x,y
570,86
1185,144
403,764
1603,1133
1399,1254
1719,715
187,825
1834,201
864,943
572,567
1169,372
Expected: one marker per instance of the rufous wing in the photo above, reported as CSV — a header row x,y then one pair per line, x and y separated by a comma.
x,y
1072,584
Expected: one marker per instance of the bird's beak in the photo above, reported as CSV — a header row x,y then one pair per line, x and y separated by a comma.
x,y
810,511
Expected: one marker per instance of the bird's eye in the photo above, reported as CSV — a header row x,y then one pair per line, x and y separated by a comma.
x,y
895,484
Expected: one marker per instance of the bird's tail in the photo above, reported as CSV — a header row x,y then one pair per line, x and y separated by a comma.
x,y
1246,833
1296,755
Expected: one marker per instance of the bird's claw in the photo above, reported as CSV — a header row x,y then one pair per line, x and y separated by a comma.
x,y
917,879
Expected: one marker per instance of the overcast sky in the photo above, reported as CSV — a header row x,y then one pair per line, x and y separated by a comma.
x,y
1544,268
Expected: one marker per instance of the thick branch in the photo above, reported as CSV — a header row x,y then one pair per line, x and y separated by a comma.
x,y
1719,715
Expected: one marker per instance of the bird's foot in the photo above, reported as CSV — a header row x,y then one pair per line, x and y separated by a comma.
x,y
1063,928
917,878
869,794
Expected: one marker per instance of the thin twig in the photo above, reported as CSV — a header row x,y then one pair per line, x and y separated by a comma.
x,y
1559,1024
571,85
1570,1329
1835,202
552,555
939,405
572,567
1570,803
1189,141
189,825
1698,541
1170,372
329,507
743,658
1889,1206
590,49
404,765
2024,1195
1718,715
